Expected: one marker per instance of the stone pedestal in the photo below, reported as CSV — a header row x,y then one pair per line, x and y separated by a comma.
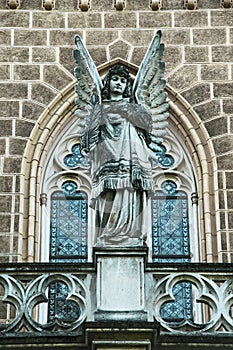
x,y
120,283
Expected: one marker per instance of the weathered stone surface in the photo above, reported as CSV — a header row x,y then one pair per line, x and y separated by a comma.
x,y
229,179
197,94
217,126
223,144
172,57
17,146
98,55
230,199
221,200
120,20
23,128
223,89
12,165
230,220
27,72
227,106
13,18
155,19
225,162
9,110
223,241
222,53
222,221
43,54
13,54
183,77
5,37
5,127
14,90
100,37
208,36
6,184
5,223
138,37
30,37
31,110
119,49
214,72
208,109
191,19
56,77
48,19
176,36
2,146
66,58
138,55
84,20
5,239
221,18
195,54
42,93
4,72
61,38
5,203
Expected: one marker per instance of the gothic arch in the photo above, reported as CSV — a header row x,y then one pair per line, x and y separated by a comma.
x,y
59,117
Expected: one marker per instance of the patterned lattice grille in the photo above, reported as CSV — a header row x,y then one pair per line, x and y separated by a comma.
x,y
170,243
68,243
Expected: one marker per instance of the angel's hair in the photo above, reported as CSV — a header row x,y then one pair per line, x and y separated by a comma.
x,y
122,71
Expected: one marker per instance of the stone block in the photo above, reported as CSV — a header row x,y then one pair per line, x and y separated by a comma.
x,y
13,18
176,36
225,162
229,179
231,240
100,37
223,89
98,54
30,37
222,221
13,54
42,93
211,36
194,54
30,4
214,72
222,53
119,49
55,76
230,199
9,110
14,90
23,128
227,106
183,77
5,223
172,57
66,58
138,37
138,55
12,165
154,19
31,110
208,4
5,242
217,127
230,220
46,19
221,200
191,19
43,54
2,146
6,184
5,203
4,72
67,5
84,20
208,109
223,241
17,146
5,37
5,127
120,20
27,72
221,18
63,38
197,94
223,144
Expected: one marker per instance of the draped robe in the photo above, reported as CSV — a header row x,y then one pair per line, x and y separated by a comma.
x,y
117,145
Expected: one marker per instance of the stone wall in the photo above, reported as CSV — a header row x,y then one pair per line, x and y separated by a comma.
x,y
36,65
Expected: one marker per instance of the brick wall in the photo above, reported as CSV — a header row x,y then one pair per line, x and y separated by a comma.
x,y
36,64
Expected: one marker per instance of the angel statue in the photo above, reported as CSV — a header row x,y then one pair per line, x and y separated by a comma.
x,y
120,129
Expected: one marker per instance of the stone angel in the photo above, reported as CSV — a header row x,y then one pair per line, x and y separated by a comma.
x,y
121,127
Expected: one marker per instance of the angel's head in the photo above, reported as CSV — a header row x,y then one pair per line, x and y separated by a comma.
x,y
120,71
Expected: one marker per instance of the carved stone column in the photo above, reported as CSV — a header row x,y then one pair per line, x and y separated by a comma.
x,y
120,283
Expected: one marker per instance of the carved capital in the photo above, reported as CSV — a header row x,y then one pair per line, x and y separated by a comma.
x,y
13,4
43,199
155,5
84,5
119,4
48,5
226,3
190,4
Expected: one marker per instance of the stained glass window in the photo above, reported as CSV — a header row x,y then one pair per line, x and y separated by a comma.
x,y
75,158
170,243
68,243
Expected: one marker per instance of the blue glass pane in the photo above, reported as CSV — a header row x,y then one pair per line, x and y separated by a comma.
x,y
165,160
170,243
76,158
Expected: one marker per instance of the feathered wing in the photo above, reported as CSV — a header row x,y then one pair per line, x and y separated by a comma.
x,y
88,86
149,88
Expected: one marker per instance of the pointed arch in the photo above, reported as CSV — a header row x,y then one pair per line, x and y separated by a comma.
x,y
59,118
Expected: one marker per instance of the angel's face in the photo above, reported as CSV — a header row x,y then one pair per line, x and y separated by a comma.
x,y
117,85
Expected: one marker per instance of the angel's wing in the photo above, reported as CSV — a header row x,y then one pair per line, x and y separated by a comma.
x,y
149,87
88,85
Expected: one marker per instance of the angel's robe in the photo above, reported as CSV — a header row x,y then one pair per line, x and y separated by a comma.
x,y
117,144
